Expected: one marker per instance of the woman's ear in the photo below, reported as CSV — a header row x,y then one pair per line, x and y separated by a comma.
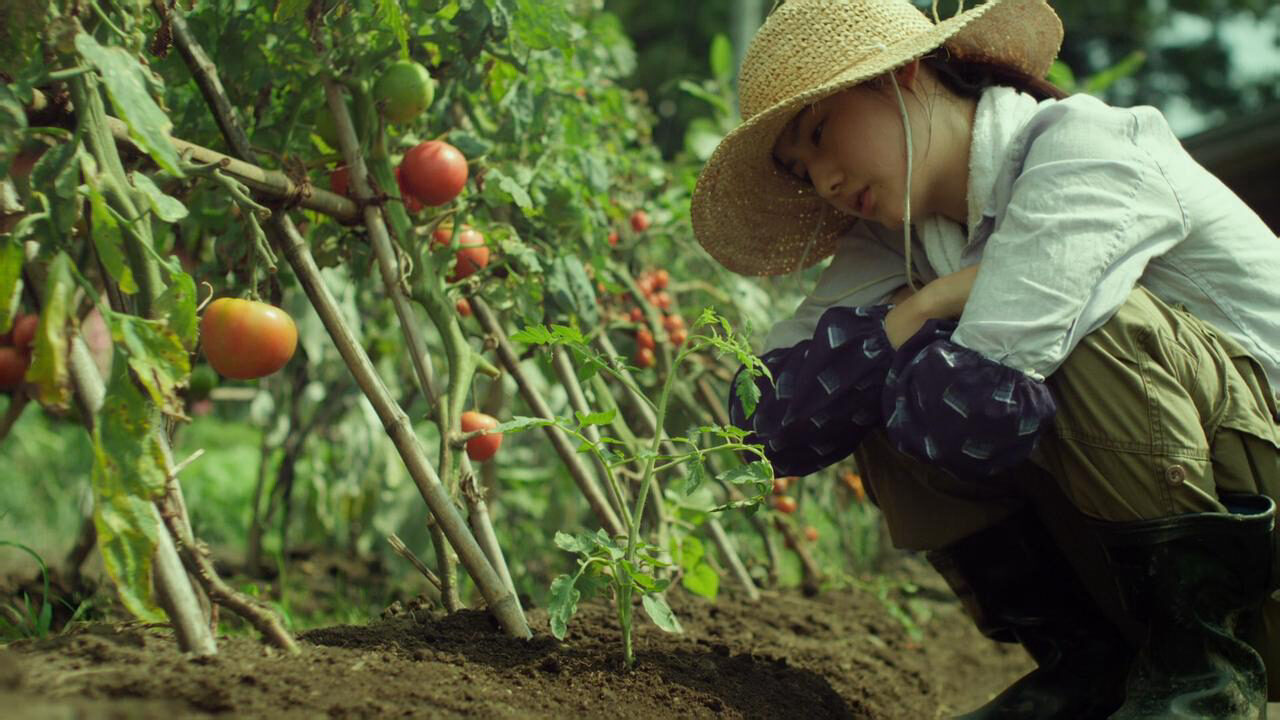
x,y
908,74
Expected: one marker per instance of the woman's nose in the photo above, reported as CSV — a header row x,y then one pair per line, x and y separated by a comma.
x,y
827,179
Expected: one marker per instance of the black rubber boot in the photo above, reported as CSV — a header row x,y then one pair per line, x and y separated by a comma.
x,y
1199,582
1018,587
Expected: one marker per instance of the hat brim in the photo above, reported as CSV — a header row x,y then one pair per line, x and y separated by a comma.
x,y
756,219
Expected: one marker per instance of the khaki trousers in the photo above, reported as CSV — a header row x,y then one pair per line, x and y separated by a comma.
x,y
1157,414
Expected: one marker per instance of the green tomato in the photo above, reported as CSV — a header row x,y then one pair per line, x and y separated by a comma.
x,y
324,126
203,381
404,91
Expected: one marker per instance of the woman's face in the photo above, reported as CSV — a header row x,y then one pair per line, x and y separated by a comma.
x,y
850,146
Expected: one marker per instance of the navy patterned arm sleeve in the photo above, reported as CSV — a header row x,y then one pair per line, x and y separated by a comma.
x,y
946,404
826,392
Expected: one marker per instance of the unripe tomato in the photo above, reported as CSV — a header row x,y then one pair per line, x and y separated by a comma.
x,y
24,331
785,504
472,252
639,221
13,366
247,339
404,91
463,307
811,533
203,381
434,172
645,358
644,339
480,447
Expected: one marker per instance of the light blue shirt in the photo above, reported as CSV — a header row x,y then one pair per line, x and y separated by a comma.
x,y
1090,200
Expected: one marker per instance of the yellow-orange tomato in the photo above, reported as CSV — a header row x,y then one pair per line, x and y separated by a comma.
x,y
785,504
247,339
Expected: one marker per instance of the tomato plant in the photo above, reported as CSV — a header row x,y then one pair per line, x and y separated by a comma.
x,y
247,339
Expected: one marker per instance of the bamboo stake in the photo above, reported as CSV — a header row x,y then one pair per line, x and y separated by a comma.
x,y
285,237
568,453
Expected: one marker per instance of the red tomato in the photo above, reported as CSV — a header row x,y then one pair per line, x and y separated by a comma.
x,y
464,307
637,315
811,533
24,331
673,322
645,283
411,203
678,336
785,504
645,358
613,238
340,180
13,366
247,339
480,447
662,300
434,172
639,221
661,278
780,485
644,339
472,252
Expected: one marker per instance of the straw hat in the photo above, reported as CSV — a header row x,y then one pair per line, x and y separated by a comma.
x,y
758,220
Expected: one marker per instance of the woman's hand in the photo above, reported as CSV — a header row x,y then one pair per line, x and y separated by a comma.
x,y
942,298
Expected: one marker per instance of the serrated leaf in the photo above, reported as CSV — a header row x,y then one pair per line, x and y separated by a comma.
x,y
596,418
48,369
521,423
660,613
757,472
562,605
177,305
109,242
569,543
567,334
532,335
696,475
11,258
691,552
392,18
701,580
13,121
156,355
128,474
126,82
166,207
748,394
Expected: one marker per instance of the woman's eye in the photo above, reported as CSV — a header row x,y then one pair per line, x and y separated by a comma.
x,y
816,137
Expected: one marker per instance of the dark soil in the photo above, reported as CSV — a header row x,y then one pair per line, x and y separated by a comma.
x,y
838,655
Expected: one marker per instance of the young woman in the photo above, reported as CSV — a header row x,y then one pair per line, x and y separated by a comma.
x,y
1050,336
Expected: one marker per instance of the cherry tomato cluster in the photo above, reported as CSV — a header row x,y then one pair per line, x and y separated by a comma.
x,y
653,285
15,351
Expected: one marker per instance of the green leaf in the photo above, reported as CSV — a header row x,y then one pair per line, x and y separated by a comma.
x,y
748,394
290,9
533,335
11,257
157,356
691,552
1129,65
166,207
177,305
48,368
722,58
521,422
126,82
572,544
563,605
128,474
13,121
701,138
702,580
109,241
571,292
392,18
596,418
757,472
696,475
660,613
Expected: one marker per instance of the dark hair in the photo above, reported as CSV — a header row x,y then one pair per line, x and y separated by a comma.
x,y
969,77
